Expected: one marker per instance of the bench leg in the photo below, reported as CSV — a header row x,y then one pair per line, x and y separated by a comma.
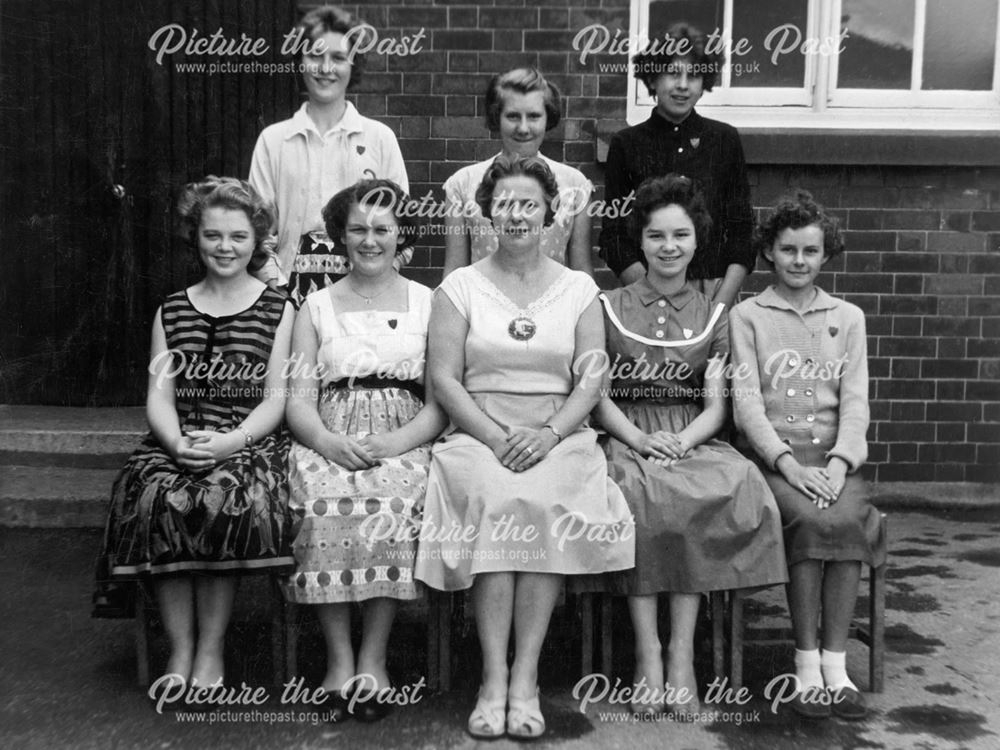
x,y
736,639
444,641
141,640
717,609
433,641
586,633
876,613
278,666
605,604
290,616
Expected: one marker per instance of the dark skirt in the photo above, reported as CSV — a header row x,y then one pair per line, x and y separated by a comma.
x,y
166,520
850,529
704,523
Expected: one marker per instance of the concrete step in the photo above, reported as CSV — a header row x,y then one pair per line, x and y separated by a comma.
x,y
57,465
98,438
54,496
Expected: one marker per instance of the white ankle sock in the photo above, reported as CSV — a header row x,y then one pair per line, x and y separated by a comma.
x,y
807,668
834,668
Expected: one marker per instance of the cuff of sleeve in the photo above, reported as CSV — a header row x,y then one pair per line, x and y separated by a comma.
x,y
853,461
774,453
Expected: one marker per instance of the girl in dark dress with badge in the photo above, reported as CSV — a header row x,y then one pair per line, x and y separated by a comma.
x,y
676,139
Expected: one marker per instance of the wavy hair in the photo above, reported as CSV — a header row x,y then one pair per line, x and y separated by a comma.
x,y
505,166
795,211
327,18
671,190
649,64
372,194
522,81
234,195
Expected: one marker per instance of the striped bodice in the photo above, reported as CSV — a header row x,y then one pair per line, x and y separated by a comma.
x,y
220,363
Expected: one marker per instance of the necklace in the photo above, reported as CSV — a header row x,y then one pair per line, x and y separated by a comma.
x,y
365,297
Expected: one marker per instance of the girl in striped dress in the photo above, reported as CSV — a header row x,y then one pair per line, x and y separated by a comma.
x,y
206,494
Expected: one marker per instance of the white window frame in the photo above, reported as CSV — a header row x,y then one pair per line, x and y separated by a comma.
x,y
820,104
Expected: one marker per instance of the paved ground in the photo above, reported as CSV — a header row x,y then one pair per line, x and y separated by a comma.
x,y
68,681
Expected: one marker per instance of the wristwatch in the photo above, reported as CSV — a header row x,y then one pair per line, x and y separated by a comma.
x,y
247,434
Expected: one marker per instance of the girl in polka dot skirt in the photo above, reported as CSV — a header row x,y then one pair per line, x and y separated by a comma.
x,y
358,466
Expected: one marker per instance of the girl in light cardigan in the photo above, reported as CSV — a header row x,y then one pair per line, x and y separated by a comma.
x,y
801,400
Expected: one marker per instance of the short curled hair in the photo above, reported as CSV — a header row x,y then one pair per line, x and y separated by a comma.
x,y
671,190
327,18
794,212
654,61
372,194
505,166
522,81
234,195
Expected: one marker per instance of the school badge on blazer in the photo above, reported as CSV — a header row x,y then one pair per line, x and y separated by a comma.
x,y
833,330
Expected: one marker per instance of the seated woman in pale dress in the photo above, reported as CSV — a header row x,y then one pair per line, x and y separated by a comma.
x,y
362,432
705,519
520,476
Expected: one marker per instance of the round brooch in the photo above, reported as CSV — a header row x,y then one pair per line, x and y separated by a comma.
x,y
521,328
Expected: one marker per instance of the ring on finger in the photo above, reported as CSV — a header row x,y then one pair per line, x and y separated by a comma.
x,y
529,450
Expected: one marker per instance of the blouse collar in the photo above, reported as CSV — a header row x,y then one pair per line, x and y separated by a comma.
x,y
770,298
350,122
691,126
648,295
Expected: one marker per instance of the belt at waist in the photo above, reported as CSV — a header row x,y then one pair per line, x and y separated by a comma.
x,y
373,382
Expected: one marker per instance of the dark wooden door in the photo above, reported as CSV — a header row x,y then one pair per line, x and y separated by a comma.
x,y
97,138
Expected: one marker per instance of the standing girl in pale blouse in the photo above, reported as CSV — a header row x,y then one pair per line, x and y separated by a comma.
x,y
522,107
801,399
324,147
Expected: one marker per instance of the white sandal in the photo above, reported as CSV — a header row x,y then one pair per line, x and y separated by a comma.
x,y
487,719
524,717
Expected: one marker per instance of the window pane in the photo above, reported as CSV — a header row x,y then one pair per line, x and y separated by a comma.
x,y
770,21
959,44
878,51
706,15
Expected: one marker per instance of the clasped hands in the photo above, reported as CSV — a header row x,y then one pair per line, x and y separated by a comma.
x,y
357,454
822,485
524,447
662,447
200,450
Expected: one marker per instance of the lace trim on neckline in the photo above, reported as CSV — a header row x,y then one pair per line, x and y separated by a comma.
x,y
552,293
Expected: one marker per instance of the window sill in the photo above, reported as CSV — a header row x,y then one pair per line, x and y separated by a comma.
x,y
789,138
889,147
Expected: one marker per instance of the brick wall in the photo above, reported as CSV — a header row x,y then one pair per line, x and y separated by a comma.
x,y
923,243
923,262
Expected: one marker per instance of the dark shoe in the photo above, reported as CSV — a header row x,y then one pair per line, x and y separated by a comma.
x,y
339,708
374,709
848,703
812,703
114,601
